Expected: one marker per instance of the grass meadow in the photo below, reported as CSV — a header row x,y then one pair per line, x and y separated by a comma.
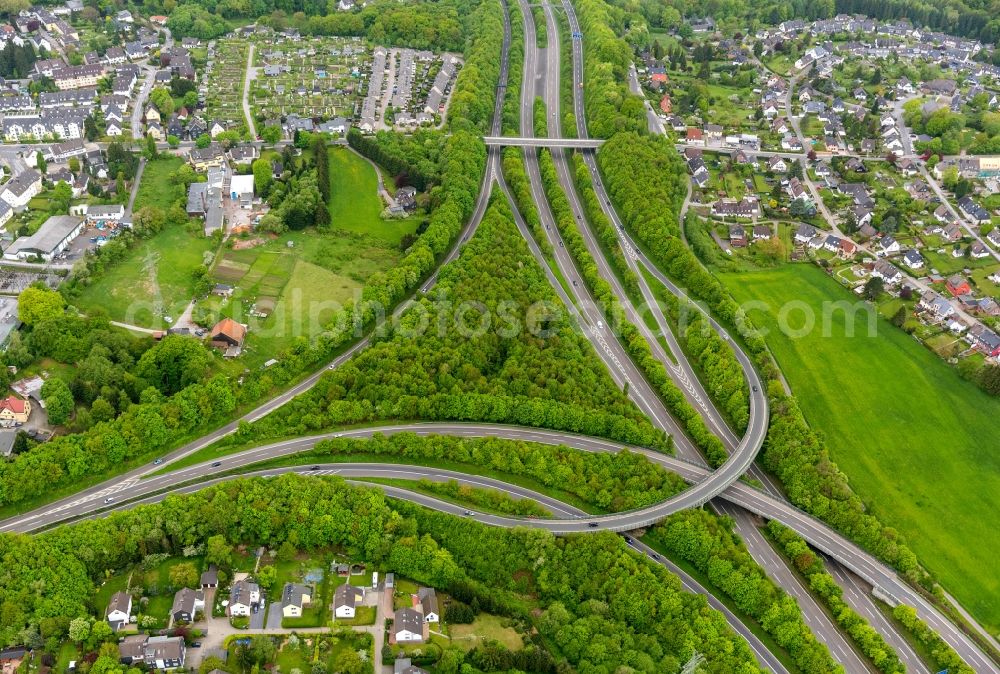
x,y
918,443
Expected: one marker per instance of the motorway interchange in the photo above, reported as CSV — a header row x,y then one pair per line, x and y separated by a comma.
x,y
721,487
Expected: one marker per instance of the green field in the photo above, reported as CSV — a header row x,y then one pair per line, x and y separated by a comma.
x,y
918,443
354,202
155,278
153,281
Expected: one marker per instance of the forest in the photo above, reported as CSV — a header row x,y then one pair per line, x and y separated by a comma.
x,y
528,366
598,605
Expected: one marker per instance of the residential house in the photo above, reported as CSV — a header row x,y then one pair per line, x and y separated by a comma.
x,y
695,136
973,210
119,610
888,245
762,233
777,164
888,273
862,215
294,598
187,603
346,599
406,198
952,232
936,305
847,248
977,251
210,578
804,233
155,131
404,666
20,189
408,626
985,339
160,653
737,236
913,259
113,213
713,134
994,237
747,207
244,595
227,334
942,214
957,285
429,604
203,158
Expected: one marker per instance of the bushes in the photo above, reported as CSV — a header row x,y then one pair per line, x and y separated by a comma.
x,y
613,482
943,655
708,543
822,583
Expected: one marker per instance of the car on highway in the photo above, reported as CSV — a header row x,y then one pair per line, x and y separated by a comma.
x,y
593,525
216,464
158,462
600,325
468,513
109,499
628,539
314,468
754,387
656,557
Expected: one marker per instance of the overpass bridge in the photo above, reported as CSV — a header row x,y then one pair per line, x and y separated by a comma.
x,y
569,143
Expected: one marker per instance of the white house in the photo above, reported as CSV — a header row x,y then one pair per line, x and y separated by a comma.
x,y
20,189
242,597
429,604
913,259
408,626
119,609
294,598
346,599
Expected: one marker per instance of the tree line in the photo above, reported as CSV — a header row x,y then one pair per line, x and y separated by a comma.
x,y
709,543
614,482
822,584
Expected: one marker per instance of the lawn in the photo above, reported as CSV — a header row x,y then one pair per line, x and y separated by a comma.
x,y
484,627
363,615
156,188
917,442
354,202
155,278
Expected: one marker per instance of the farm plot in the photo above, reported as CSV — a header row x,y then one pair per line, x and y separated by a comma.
x,y
311,77
223,88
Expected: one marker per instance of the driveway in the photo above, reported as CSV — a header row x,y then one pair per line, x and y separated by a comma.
x,y
273,617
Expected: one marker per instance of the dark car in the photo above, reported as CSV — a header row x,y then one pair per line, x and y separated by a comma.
x,y
592,525
656,557
628,539
216,464
314,468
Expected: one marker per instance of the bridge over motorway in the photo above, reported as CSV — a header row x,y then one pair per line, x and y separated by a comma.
x,y
572,143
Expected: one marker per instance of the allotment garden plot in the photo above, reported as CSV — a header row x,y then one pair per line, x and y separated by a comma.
x,y
310,77
223,89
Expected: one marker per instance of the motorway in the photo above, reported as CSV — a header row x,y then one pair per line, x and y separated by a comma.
x,y
706,484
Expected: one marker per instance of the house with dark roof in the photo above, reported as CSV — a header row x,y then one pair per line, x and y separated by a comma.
x,y
294,598
407,626
187,603
346,599
119,610
429,604
210,578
